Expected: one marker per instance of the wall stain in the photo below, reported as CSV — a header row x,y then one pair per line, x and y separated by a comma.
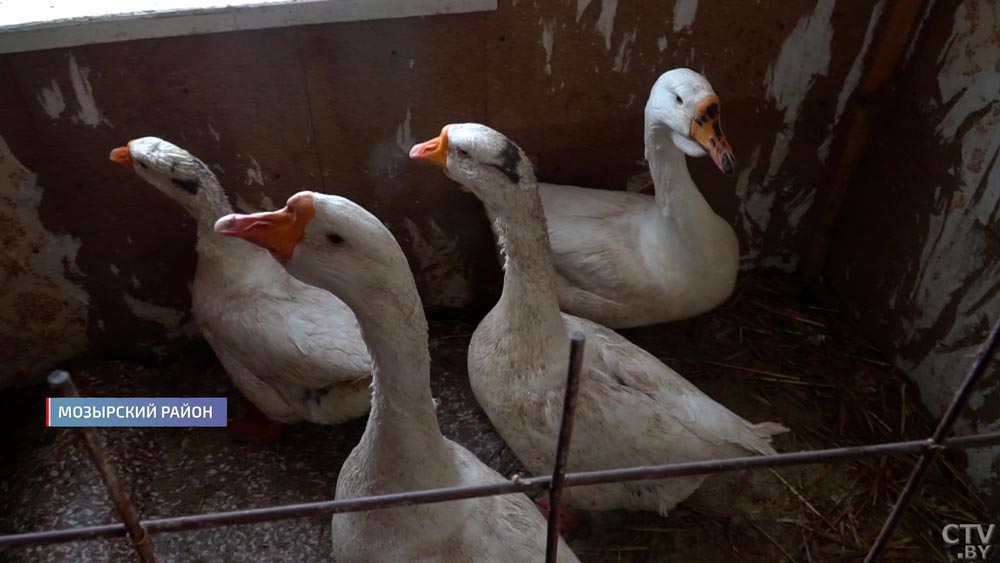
x,y
43,315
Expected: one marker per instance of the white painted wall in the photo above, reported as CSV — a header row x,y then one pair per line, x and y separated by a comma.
x,y
954,277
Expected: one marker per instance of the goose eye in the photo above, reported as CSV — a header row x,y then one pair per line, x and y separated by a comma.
x,y
335,238
463,153
679,100
143,164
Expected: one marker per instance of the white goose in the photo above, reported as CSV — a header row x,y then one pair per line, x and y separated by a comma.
x,y
295,351
632,409
626,259
341,247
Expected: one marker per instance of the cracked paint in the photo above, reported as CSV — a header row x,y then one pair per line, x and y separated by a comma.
x,y
605,25
548,41
51,99
170,319
684,13
804,55
87,111
852,79
954,296
623,57
404,134
254,174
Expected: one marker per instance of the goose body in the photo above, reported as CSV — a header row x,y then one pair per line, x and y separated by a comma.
x,y
347,251
632,409
626,259
293,350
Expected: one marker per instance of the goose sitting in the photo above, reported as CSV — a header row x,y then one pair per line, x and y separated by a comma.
x,y
632,409
295,351
333,243
626,259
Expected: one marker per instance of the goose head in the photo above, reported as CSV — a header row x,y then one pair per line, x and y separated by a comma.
x,y
482,159
326,241
684,102
171,169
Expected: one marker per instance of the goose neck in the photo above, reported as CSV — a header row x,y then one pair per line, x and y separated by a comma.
x,y
210,204
522,234
395,329
677,197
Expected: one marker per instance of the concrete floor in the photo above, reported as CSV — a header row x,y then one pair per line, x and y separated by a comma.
x,y
797,513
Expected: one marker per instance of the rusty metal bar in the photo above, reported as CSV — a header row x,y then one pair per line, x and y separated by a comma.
x,y
577,345
927,457
63,383
529,485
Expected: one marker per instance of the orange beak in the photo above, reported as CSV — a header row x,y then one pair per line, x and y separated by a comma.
x,y
434,151
122,156
706,130
278,232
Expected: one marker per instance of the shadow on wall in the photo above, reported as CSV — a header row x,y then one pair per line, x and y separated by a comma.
x,y
925,209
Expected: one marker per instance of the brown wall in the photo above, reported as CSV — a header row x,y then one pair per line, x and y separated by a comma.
x,y
333,107
924,208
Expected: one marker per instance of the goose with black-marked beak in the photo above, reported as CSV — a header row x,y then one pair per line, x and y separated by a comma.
x,y
632,410
342,248
294,351
626,259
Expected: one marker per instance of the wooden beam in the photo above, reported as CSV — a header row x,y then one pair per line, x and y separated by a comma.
x,y
892,37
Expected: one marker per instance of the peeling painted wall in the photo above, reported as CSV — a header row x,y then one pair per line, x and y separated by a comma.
x,y
925,206
43,314
335,108
776,194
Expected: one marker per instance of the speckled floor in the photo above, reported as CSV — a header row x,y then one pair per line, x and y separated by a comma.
x,y
772,353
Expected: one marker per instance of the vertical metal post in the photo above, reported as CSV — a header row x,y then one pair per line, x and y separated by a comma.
x,y
61,381
935,444
577,342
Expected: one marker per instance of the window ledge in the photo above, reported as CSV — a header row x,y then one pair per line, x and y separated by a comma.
x,y
30,25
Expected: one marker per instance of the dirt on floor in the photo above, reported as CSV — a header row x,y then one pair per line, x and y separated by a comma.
x,y
774,352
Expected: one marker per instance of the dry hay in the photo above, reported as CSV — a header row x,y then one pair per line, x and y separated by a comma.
x,y
775,353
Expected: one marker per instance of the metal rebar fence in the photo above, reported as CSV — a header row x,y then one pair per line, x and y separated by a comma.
x,y
140,530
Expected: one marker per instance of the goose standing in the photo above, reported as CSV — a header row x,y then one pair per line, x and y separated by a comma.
x,y
632,409
333,243
625,259
295,351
